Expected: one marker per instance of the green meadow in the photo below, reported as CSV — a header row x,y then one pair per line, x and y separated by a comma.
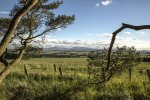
x,y
38,79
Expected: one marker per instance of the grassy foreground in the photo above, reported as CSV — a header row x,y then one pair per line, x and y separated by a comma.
x,y
41,82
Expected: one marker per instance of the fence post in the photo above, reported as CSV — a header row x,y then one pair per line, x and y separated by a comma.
x,y
130,72
60,71
148,73
25,70
54,69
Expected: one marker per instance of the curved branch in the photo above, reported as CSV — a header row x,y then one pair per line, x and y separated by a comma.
x,y
6,39
13,25
21,52
3,60
22,49
44,32
124,26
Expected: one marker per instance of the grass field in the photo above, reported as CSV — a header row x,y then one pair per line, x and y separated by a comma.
x,y
43,83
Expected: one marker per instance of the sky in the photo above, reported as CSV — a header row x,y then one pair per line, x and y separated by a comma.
x,y
96,20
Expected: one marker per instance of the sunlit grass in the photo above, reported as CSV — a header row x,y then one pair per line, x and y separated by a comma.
x,y
43,83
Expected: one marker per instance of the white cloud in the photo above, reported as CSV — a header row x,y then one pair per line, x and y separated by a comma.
x,y
107,34
77,43
4,12
128,33
89,34
106,2
127,40
104,41
97,5
98,44
59,29
142,33
131,41
100,35
119,38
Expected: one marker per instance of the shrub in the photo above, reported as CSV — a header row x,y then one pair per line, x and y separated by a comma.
x,y
122,58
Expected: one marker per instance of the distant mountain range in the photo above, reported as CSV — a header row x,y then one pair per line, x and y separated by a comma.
x,y
70,49
63,48
144,51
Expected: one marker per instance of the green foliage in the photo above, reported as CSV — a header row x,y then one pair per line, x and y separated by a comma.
x,y
40,16
40,20
121,59
4,24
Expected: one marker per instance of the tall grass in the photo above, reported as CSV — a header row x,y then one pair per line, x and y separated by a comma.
x,y
42,84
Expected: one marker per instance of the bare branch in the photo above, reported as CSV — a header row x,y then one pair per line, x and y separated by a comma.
x,y
44,32
124,26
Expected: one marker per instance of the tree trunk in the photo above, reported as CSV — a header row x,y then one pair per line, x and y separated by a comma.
x,y
4,73
13,25
6,39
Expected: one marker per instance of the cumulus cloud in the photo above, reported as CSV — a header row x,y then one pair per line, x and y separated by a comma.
x,y
77,43
106,2
131,41
127,40
99,44
4,12
104,42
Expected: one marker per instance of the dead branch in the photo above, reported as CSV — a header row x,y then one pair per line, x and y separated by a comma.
x,y
124,26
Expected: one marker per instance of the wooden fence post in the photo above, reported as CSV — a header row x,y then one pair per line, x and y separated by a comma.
x,y
25,70
60,71
54,69
130,72
148,73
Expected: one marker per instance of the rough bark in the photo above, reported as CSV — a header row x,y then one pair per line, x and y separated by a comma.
x,y
6,39
6,71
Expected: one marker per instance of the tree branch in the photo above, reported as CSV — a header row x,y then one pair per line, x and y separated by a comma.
x,y
3,60
22,49
13,25
21,52
44,32
124,26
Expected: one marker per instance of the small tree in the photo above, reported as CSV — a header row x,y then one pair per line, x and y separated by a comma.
x,y
107,68
36,22
122,58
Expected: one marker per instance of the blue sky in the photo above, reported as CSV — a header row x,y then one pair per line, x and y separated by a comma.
x,y
96,20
